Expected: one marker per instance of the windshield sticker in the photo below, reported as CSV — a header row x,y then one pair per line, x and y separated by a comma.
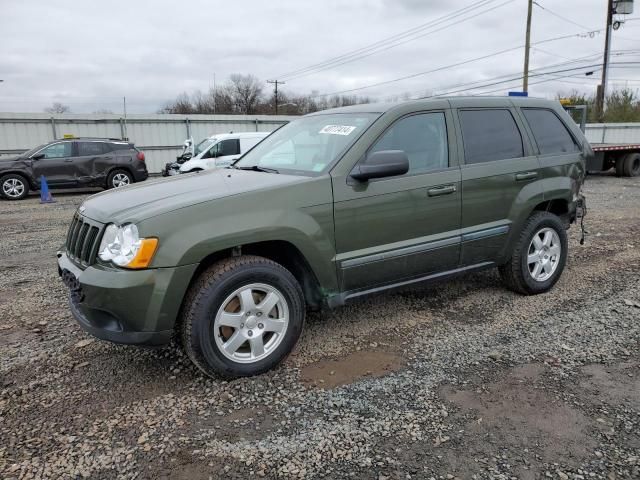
x,y
337,129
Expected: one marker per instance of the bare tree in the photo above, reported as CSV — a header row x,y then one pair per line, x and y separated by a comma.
x,y
246,91
58,107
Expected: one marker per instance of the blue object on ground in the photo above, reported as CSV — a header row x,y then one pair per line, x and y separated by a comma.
x,y
45,194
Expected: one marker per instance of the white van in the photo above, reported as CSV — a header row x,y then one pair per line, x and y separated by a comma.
x,y
221,150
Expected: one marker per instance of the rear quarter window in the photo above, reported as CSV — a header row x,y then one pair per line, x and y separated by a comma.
x,y
490,134
550,132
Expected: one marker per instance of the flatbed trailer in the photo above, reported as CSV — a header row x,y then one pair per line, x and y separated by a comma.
x,y
624,157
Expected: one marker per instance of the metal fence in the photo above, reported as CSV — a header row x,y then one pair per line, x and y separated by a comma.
x,y
159,136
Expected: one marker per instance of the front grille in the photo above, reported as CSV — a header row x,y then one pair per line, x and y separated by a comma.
x,y
82,240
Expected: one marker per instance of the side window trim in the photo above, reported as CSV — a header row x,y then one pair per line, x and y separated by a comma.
x,y
534,141
450,139
521,126
73,149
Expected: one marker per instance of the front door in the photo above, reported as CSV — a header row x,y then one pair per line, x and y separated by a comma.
x,y
396,229
56,165
228,151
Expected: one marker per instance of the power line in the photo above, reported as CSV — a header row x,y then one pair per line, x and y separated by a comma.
x,y
446,67
561,17
599,65
395,41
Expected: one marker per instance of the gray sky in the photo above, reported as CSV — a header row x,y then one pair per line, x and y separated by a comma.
x,y
88,54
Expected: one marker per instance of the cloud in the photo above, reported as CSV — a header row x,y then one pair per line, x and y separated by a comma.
x,y
91,54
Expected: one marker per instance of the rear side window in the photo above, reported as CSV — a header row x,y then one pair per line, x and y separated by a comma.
x,y
550,133
86,149
423,137
490,135
121,146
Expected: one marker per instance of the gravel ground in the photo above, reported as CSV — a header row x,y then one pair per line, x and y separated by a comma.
x,y
459,380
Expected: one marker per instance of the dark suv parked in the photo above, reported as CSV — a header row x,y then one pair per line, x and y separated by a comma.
x,y
332,206
69,163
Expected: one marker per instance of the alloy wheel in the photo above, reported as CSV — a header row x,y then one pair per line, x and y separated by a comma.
x,y
120,180
13,187
544,254
251,323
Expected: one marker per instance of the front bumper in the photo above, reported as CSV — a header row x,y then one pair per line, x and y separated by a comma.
x,y
126,306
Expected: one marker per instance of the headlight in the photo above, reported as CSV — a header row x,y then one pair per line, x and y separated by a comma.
x,y
124,247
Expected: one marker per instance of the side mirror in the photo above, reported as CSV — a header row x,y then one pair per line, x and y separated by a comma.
x,y
37,156
386,163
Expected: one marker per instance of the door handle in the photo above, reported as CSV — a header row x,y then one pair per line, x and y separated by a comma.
x,y
68,160
526,176
444,190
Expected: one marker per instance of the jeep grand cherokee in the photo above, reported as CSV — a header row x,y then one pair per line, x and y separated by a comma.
x,y
333,206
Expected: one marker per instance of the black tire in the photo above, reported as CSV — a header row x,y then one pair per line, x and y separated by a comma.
x,y
632,165
14,186
206,297
619,167
119,174
515,273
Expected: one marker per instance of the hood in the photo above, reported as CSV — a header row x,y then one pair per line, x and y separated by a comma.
x,y
11,159
148,199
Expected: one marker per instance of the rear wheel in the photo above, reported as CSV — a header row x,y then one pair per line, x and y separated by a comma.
x,y
242,317
119,178
14,186
632,165
539,256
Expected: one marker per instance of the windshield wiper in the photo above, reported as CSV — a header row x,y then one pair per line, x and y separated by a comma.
x,y
257,168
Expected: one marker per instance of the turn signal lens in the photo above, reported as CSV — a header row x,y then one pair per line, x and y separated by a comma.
x,y
144,255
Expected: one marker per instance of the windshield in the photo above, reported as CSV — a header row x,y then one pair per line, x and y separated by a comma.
x,y
308,145
203,145
32,151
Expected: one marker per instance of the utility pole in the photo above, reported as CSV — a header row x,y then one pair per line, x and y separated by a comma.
x,y
276,82
602,88
124,105
527,47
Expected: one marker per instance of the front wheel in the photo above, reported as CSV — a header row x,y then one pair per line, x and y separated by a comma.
x,y
539,256
242,317
14,187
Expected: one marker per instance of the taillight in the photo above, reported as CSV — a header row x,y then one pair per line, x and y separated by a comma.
x,y
140,156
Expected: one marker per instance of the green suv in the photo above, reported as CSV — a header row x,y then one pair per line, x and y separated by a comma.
x,y
333,206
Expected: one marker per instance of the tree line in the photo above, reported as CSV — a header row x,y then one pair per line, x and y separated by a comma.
x,y
245,94
620,106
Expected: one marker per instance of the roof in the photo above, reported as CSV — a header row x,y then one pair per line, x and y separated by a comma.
x,y
436,102
94,139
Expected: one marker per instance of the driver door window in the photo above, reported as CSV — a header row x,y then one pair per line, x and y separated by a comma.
x,y
423,137
229,147
57,150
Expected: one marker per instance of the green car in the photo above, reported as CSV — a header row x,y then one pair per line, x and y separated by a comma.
x,y
334,206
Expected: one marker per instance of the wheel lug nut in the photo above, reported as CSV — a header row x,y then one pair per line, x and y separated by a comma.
x,y
250,333
260,325
242,325
259,314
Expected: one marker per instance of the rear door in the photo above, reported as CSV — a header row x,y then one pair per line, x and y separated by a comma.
x,y
399,228
247,144
92,162
499,172
56,165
